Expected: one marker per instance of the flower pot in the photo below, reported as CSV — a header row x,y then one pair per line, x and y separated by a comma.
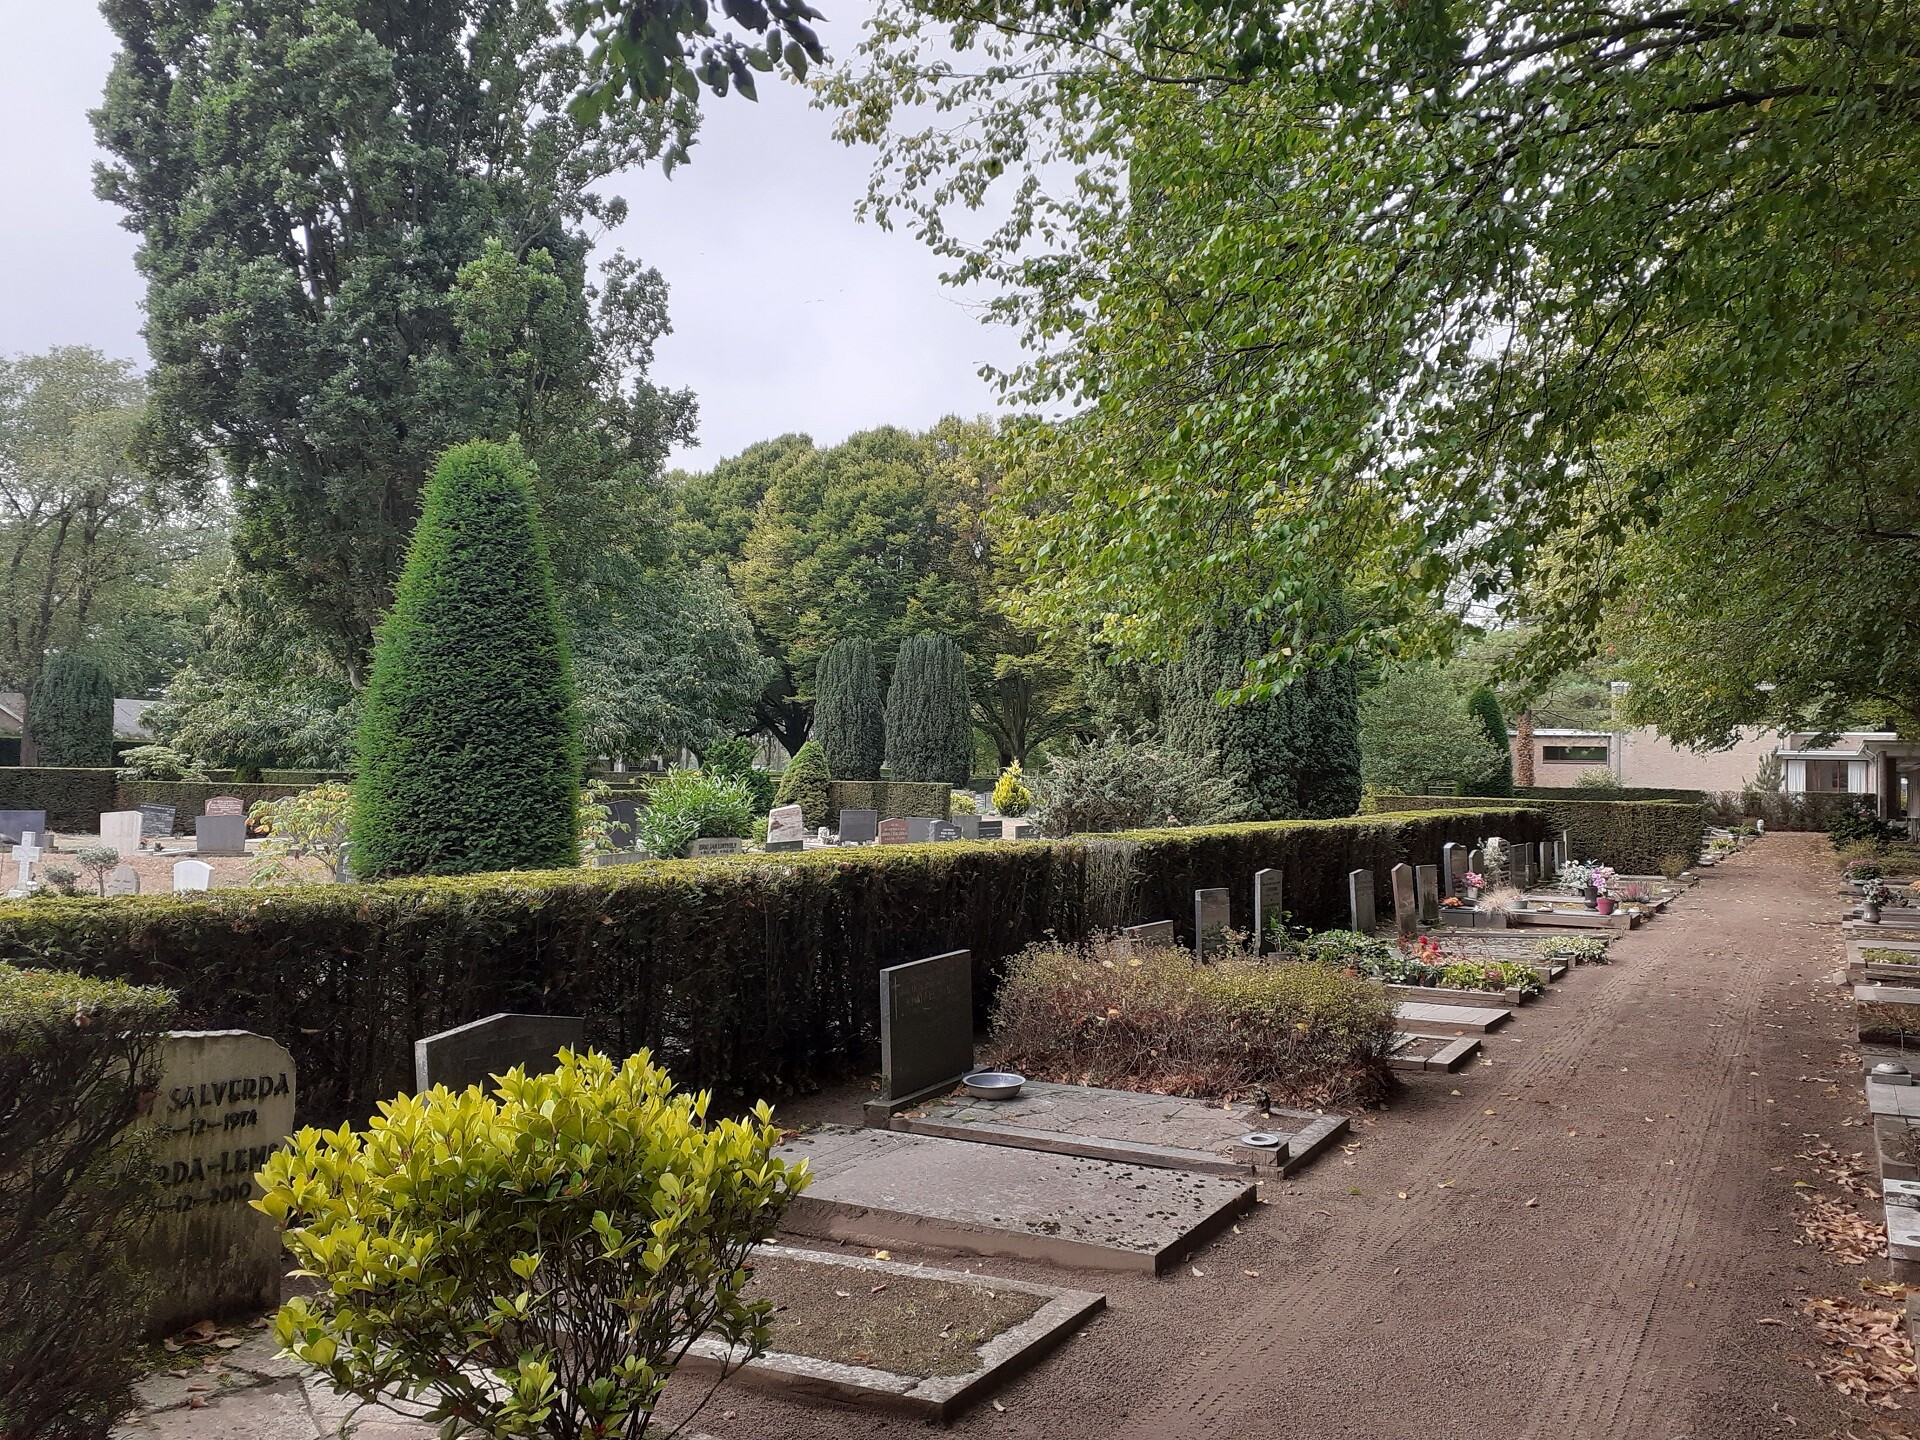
x,y
1604,904
1870,914
1593,897
1473,894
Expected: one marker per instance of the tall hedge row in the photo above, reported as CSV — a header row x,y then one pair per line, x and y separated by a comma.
x,y
1634,836
745,974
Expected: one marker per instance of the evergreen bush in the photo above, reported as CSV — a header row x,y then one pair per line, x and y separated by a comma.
x,y
469,754
733,758
849,718
1484,706
689,805
71,715
929,729
804,783
1122,784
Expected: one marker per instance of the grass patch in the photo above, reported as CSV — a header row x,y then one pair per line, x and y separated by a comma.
x,y
905,1325
1150,1019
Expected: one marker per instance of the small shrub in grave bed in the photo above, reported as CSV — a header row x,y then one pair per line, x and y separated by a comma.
x,y
1150,1019
689,805
524,1289
1421,962
1876,956
1580,950
77,1058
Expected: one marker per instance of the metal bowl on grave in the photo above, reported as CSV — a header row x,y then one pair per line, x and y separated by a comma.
x,y
993,1084
1262,1140
1890,1072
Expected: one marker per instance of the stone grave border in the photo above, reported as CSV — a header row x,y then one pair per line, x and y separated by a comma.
x,y
937,1398
1447,1056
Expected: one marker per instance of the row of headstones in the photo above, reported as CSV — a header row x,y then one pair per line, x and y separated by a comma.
x,y
787,828
121,880
222,830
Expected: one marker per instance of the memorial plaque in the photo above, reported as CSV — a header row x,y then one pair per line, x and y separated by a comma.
x,y
15,825
224,1105
943,830
1212,914
220,835
708,846
990,828
786,827
968,825
120,829
1154,932
1406,908
1269,910
192,875
859,827
1426,885
125,880
155,820
892,832
926,1025
473,1054
1360,900
225,805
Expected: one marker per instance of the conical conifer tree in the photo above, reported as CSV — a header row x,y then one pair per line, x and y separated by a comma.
x,y
929,727
469,751
71,716
849,719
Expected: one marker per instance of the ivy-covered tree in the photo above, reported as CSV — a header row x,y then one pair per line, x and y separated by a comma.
x,y
1484,705
929,734
71,712
849,711
469,752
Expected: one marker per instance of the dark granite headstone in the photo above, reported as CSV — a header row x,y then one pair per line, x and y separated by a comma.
x,y
926,1025
220,835
920,828
893,832
471,1054
859,827
1212,914
968,825
1520,862
1360,900
15,823
1269,909
623,814
1406,907
944,830
155,820
1453,868
1426,884
990,828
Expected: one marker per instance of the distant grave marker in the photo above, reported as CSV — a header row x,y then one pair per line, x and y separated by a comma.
x,y
859,827
708,846
125,880
968,826
192,875
1360,900
1426,884
1406,911
991,827
225,805
16,825
120,829
894,832
943,830
1154,932
1212,914
472,1054
926,1027
156,821
220,835
1453,867
1269,908
786,828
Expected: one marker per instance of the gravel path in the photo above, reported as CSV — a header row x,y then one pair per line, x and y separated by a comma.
x,y
1592,1226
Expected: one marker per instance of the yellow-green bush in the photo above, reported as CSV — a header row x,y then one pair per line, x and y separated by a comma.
x,y
1010,793
534,1261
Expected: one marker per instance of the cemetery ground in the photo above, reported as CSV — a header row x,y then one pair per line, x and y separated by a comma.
x,y
1594,1230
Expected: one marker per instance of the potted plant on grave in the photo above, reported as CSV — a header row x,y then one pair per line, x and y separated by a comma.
x,y
1603,882
1873,894
1579,879
1475,883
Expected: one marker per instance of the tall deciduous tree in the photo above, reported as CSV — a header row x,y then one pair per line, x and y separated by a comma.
x,y
469,747
1416,731
849,711
929,735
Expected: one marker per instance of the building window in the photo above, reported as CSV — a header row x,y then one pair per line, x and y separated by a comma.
x,y
1574,754
1826,776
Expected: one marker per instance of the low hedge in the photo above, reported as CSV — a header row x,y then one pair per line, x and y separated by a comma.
x,y
1625,792
894,799
748,974
1782,812
74,799
1633,836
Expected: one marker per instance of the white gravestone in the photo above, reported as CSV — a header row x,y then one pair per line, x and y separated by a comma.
x,y
224,1105
120,829
786,828
192,875
26,855
125,880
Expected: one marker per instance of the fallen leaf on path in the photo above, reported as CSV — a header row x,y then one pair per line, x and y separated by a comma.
x,y
1874,1363
1849,1237
1769,1320
1251,1274
1535,1200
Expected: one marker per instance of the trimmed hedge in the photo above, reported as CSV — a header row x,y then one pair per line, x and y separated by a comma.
x,y
747,974
74,798
894,799
1625,792
1633,836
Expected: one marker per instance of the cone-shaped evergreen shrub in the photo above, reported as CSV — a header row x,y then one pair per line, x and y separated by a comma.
x,y
804,783
848,717
72,716
469,745
1484,705
1326,742
929,729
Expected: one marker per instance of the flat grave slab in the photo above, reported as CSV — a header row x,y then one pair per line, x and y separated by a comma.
x,y
1440,995
1574,919
1172,1131
998,1359
1901,1100
881,1187
1421,1017
1439,1053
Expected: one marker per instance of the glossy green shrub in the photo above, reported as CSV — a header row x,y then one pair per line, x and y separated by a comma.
x,y
689,805
532,1261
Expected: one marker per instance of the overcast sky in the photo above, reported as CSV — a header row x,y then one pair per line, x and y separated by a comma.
x,y
788,313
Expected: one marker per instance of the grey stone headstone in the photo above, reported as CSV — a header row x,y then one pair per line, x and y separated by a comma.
x,y
472,1054
1522,863
859,827
192,875
15,824
220,835
944,830
1476,864
920,828
1269,908
225,1104
1453,867
1154,932
926,1024
892,832
1406,909
225,805
125,880
710,845
968,825
1426,883
1212,914
1360,900
990,828
156,821
784,823
121,830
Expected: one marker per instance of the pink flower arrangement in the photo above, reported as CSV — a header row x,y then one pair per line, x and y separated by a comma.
x,y
1476,881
